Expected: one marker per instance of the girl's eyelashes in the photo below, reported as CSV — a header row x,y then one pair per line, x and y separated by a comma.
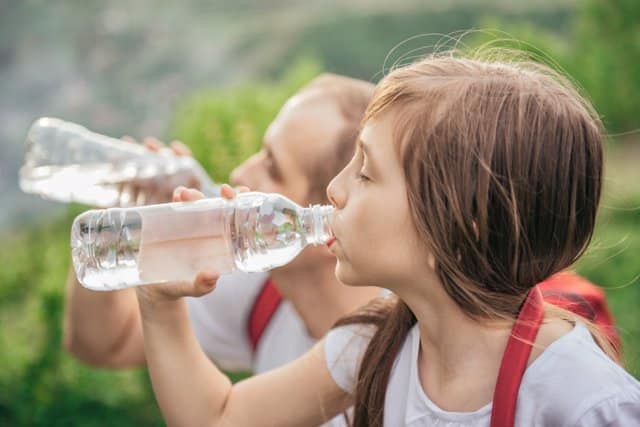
x,y
363,177
360,176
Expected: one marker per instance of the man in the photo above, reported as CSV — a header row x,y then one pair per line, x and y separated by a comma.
x,y
253,322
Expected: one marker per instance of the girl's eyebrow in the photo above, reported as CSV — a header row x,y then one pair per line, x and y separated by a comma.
x,y
367,151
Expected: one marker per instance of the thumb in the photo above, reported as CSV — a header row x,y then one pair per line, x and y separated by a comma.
x,y
204,283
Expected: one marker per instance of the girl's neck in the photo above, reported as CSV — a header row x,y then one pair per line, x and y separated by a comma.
x,y
459,357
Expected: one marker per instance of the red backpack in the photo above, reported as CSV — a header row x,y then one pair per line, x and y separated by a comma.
x,y
264,307
574,293
566,290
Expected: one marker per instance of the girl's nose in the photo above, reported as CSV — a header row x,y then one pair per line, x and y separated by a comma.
x,y
336,193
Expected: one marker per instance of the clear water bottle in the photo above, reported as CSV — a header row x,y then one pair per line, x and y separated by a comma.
x,y
68,163
123,247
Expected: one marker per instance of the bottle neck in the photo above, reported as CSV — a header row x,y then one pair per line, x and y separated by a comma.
x,y
315,221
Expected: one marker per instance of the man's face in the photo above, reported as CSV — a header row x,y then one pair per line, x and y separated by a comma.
x,y
304,132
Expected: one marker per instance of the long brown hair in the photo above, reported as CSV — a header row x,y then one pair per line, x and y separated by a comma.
x,y
503,162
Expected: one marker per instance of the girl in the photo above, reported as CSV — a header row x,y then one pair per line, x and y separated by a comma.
x,y
473,181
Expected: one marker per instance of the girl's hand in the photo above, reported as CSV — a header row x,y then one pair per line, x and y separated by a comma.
x,y
182,194
205,281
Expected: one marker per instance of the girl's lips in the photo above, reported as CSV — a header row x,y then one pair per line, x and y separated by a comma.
x,y
330,241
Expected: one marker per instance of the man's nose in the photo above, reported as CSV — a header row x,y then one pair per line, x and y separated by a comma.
x,y
235,178
241,175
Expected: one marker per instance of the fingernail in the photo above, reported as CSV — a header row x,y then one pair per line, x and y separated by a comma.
x,y
209,276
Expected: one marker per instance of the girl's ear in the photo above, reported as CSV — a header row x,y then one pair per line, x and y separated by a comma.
x,y
431,261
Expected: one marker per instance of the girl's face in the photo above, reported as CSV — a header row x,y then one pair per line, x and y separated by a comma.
x,y
376,242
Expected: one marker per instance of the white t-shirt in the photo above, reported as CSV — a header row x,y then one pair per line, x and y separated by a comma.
x,y
220,323
572,383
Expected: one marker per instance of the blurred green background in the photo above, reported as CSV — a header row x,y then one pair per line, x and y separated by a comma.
x,y
214,74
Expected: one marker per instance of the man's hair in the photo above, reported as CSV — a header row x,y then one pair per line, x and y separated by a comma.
x,y
351,96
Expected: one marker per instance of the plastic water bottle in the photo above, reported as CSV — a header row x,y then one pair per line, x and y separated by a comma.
x,y
68,163
123,247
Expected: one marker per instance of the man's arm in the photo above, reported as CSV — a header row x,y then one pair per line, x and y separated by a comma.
x,y
103,328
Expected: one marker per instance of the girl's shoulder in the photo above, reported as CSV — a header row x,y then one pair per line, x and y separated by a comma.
x,y
344,347
574,380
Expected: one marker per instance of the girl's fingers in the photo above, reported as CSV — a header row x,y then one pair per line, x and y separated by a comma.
x,y
227,192
128,138
182,194
204,283
176,194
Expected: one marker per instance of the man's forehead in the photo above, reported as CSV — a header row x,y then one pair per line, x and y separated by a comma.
x,y
310,120
304,135
310,98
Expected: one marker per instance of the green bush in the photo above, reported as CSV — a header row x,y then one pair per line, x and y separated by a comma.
x,y
224,127
601,52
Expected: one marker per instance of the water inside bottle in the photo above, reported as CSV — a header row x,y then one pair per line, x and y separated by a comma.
x,y
183,259
105,246
93,184
266,235
100,184
119,248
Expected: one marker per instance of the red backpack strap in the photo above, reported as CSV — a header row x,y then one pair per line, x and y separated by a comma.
x,y
263,309
514,359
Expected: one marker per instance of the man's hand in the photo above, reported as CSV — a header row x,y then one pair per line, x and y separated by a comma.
x,y
158,189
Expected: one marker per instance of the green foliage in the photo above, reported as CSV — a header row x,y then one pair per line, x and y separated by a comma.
x,y
224,127
601,52
606,59
357,44
39,383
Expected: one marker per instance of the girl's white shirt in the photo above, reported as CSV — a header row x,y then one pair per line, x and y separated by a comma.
x,y
572,383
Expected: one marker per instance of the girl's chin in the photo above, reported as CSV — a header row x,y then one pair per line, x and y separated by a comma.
x,y
347,275
341,272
